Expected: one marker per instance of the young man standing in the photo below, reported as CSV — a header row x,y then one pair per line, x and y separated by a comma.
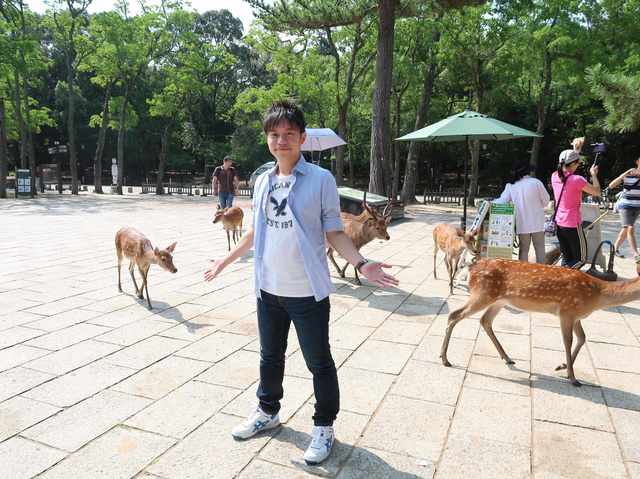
x,y
295,205
225,175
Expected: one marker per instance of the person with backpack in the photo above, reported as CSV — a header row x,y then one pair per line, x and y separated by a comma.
x,y
629,209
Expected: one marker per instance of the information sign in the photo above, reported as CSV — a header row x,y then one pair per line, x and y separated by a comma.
x,y
23,182
501,231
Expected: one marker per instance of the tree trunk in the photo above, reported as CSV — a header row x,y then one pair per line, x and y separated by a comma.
x,y
4,165
97,160
542,108
352,168
23,126
340,151
408,194
380,179
166,142
120,150
30,148
123,117
396,148
73,157
475,150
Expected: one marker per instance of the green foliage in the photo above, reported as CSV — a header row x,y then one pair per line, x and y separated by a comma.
x,y
620,95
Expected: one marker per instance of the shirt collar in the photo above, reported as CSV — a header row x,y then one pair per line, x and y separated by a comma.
x,y
301,167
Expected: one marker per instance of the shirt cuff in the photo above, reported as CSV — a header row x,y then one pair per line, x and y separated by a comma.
x,y
332,224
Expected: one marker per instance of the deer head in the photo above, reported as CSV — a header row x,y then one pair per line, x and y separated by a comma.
x,y
379,223
469,240
165,260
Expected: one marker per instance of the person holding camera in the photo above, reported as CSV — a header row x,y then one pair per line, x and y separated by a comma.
x,y
569,187
629,208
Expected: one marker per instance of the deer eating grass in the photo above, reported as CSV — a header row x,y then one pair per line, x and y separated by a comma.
x,y
136,247
452,242
231,219
569,294
363,233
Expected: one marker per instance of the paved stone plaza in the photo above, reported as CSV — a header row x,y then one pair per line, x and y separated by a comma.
x,y
94,385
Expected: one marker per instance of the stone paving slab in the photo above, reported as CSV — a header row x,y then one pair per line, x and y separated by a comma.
x,y
94,385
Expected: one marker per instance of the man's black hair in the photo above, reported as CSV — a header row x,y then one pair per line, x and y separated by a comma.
x,y
283,110
227,158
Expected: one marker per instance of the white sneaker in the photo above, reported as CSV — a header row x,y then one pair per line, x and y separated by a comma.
x,y
320,445
257,421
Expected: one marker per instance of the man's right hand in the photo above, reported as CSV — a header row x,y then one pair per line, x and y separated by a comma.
x,y
218,266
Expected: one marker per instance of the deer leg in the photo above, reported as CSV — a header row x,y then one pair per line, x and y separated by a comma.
x,y
566,326
447,260
487,323
355,271
144,286
579,332
473,306
119,253
435,253
228,239
138,292
330,255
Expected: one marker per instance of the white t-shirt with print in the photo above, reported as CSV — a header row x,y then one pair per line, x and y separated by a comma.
x,y
283,273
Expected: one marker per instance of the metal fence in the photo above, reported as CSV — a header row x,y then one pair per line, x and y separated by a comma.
x,y
445,196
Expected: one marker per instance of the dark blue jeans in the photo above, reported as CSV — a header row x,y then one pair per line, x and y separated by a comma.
x,y
311,320
225,199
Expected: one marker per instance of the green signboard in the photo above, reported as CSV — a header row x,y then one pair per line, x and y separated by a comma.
x,y
501,231
23,182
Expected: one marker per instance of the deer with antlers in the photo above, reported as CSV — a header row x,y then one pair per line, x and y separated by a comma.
x,y
452,242
363,233
231,219
136,247
362,217
568,293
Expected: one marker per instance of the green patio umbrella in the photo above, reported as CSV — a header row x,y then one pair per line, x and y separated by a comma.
x,y
468,125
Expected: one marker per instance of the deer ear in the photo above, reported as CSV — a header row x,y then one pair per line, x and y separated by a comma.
x,y
218,207
156,251
459,232
370,221
476,231
172,247
388,219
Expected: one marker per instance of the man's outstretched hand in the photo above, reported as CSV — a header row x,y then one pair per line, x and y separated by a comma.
x,y
374,273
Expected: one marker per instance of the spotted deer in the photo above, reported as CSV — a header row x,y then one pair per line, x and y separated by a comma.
x,y
136,247
231,219
452,242
569,294
363,233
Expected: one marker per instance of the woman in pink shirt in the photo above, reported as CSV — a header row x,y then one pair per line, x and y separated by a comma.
x,y
573,244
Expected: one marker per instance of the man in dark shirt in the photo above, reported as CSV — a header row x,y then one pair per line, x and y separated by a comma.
x,y
225,176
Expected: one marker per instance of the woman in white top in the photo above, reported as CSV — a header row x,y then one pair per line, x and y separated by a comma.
x,y
529,196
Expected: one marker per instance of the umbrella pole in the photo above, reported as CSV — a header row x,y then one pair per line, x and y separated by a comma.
x,y
463,220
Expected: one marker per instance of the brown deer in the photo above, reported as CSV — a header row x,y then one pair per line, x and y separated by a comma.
x,y
363,233
453,242
136,247
231,220
568,293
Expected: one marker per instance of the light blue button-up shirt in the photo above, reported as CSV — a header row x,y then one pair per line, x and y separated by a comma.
x,y
315,206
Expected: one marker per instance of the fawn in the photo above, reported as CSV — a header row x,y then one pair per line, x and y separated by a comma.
x,y
136,247
363,233
453,242
231,220
568,293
